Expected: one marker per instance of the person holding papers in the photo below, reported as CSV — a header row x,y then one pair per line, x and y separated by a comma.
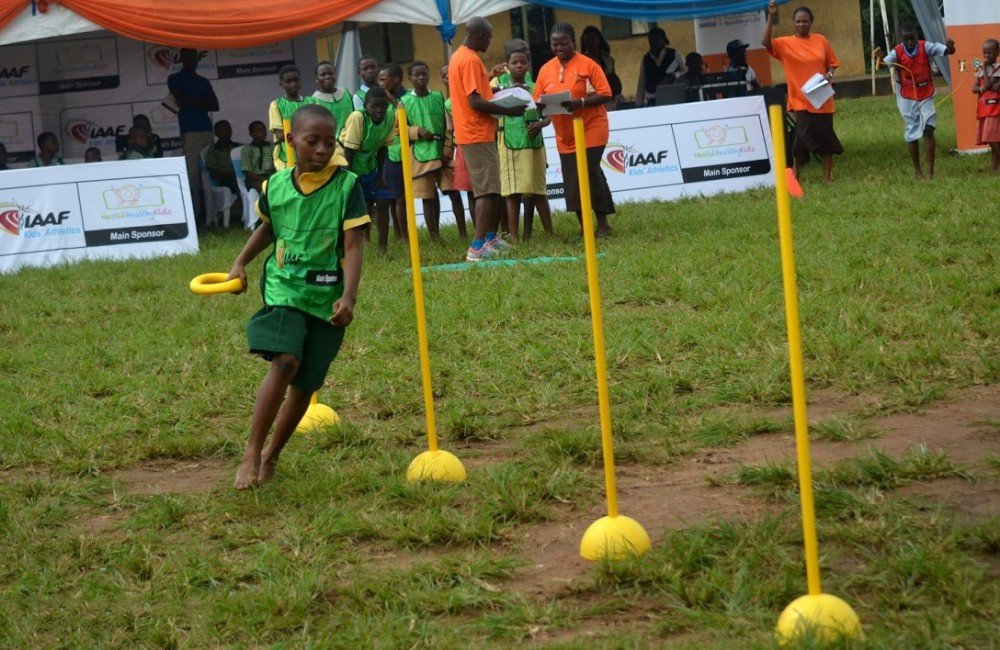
x,y
586,90
809,64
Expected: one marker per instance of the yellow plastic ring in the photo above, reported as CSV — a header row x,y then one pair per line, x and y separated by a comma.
x,y
210,283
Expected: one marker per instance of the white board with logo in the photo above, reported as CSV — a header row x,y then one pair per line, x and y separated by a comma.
x,y
116,210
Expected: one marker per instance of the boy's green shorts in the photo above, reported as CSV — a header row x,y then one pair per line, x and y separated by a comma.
x,y
314,342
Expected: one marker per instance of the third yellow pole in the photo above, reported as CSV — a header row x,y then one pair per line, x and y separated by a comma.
x,y
418,280
593,281
795,353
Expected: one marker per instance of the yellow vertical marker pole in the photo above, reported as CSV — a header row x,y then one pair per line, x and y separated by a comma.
x,y
823,615
286,126
613,536
434,464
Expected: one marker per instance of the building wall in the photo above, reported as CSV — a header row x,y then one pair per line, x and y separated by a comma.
x,y
838,20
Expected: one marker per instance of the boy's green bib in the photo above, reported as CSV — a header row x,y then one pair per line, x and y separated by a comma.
x,y
286,108
374,135
395,149
447,105
515,129
303,271
340,109
428,112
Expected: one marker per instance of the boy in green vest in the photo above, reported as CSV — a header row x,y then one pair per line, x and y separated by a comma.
x,y
282,108
336,100
426,116
363,142
314,215
368,72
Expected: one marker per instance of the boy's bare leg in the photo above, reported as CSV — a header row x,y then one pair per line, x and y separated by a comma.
x,y
513,205
827,160
914,148
382,224
544,213
289,416
399,218
995,156
432,217
269,397
459,210
470,200
930,145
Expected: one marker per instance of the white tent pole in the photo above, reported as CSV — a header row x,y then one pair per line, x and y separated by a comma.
x,y
888,47
871,34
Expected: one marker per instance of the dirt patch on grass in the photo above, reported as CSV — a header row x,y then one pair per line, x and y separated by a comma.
x,y
174,477
679,496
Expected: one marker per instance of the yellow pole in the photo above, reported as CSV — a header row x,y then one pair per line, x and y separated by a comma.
x,y
600,357
418,280
795,352
286,126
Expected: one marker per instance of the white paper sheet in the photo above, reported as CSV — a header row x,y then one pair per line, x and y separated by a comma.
x,y
554,103
817,90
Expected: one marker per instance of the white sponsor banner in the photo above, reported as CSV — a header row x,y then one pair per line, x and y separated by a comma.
x,y
711,34
88,86
117,210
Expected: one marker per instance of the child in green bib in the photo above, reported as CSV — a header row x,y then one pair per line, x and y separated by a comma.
x,y
282,108
314,215
522,150
425,114
338,101
363,143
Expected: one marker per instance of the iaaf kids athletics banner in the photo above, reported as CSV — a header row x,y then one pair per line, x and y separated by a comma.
x,y
121,209
86,89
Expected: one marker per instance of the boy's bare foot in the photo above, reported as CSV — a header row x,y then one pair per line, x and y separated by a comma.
x,y
266,472
246,475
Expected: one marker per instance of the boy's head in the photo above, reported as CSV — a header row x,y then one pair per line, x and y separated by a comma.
x,y
420,75
223,130
518,64
695,63
376,104
258,131
444,74
908,35
312,137
515,45
736,50
368,70
326,77
93,154
189,58
290,80
990,47
390,77
48,142
143,121
138,137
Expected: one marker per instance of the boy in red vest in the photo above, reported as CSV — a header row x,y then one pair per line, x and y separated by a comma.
x,y
915,100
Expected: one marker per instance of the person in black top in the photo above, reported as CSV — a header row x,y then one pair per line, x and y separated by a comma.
x,y
661,65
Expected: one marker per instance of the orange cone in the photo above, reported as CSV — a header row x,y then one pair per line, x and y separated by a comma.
x,y
794,189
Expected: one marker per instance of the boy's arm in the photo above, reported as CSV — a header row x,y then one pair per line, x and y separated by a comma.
x,y
343,309
258,242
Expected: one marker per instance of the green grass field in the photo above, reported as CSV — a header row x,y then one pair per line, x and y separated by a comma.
x,y
110,370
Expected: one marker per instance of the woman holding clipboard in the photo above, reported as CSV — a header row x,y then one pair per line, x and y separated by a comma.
x,y
804,55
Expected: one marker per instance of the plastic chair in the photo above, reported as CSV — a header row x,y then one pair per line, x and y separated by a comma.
x,y
217,197
249,195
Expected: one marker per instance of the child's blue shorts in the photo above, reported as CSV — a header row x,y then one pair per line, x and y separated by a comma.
x,y
392,174
368,185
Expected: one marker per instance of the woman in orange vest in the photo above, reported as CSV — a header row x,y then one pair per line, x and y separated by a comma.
x,y
988,111
912,59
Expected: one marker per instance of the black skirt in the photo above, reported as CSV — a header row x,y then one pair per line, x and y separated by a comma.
x,y
600,193
814,134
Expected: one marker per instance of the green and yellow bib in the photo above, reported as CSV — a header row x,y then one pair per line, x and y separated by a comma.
x,y
428,112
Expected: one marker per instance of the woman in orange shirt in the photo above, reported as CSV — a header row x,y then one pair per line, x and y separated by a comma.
x,y
803,55
589,92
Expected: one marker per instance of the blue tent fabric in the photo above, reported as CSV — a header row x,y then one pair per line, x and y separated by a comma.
x,y
663,10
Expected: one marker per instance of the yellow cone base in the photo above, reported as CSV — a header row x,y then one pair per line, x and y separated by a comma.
x,y
823,618
614,538
437,465
318,416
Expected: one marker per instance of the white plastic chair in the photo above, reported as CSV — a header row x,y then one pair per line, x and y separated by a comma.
x,y
217,198
248,196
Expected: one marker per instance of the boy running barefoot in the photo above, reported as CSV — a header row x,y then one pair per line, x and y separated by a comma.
x,y
314,214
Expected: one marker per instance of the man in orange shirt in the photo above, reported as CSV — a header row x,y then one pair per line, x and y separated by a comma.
x,y
475,134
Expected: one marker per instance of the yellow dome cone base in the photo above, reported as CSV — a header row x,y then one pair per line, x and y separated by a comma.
x,y
614,538
822,618
318,416
437,465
